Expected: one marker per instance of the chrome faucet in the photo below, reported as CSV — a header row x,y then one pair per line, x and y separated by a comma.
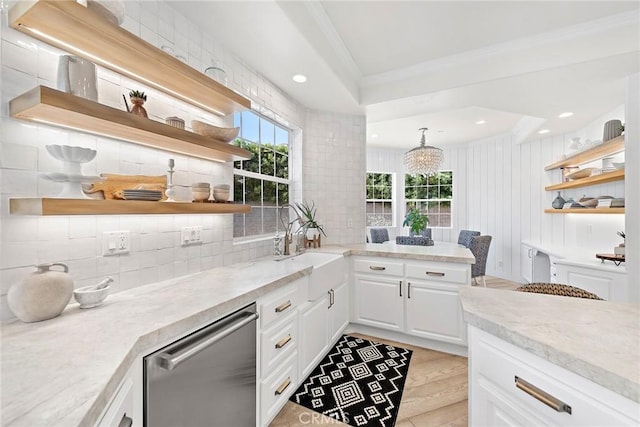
x,y
288,227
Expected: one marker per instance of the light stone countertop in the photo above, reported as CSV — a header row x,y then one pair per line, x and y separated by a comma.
x,y
598,340
578,257
63,371
439,252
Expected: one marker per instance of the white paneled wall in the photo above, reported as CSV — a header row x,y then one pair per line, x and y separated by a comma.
x,y
499,190
156,252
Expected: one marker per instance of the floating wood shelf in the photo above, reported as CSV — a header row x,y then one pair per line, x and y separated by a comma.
x,y
49,206
46,105
586,211
74,28
602,178
608,148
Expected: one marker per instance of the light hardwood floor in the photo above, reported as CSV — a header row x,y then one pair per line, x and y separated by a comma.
x,y
435,392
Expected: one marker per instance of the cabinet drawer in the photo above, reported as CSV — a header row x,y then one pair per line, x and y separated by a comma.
x,y
278,342
377,267
503,366
276,390
278,304
439,272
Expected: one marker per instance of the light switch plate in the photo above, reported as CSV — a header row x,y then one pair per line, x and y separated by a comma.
x,y
116,242
191,235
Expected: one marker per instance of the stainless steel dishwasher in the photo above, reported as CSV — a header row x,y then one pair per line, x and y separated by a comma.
x,y
207,379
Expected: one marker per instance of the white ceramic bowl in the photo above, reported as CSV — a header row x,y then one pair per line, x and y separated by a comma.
x,y
67,153
220,195
200,194
89,296
200,185
223,187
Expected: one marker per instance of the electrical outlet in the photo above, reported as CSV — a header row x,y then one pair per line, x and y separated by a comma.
x,y
349,223
116,242
191,235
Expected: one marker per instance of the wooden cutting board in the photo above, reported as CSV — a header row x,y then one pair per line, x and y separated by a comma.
x,y
113,184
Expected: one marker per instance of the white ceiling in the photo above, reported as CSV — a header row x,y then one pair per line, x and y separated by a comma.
x,y
438,64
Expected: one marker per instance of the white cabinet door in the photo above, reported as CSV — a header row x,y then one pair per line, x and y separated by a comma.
x,y
378,301
434,312
609,285
526,262
339,312
314,334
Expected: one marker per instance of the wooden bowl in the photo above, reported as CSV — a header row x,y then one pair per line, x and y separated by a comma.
x,y
221,134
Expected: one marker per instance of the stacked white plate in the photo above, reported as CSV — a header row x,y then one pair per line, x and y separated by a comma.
x,y
151,195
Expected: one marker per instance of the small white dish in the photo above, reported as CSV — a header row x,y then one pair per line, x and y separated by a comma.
x,y
89,296
618,165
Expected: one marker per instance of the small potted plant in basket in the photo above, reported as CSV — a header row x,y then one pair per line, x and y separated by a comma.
x,y
416,221
308,212
138,98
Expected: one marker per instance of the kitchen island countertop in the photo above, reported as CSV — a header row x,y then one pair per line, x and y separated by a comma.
x,y
439,252
598,340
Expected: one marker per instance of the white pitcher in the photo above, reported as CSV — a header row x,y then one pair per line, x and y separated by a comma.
x,y
77,76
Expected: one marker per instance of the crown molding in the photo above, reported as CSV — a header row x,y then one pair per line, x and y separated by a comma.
x,y
585,29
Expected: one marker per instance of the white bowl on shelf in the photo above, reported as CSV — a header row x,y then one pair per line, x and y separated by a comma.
x,y
68,153
618,165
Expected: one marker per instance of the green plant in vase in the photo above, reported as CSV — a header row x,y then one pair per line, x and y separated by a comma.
x,y
416,221
308,212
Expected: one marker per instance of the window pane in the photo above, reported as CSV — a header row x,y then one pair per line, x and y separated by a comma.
x,y
266,160
267,132
253,191
282,136
270,196
283,194
249,129
282,162
238,189
270,220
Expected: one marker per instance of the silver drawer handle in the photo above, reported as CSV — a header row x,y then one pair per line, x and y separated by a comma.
x,y
125,421
282,307
284,341
544,397
376,268
435,273
283,386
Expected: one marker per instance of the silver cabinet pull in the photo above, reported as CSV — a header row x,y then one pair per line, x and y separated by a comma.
x,y
376,268
284,341
435,273
282,307
125,421
283,386
400,287
409,290
544,397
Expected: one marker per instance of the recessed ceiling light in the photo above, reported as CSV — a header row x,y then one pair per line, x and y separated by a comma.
x,y
565,114
374,135
481,122
299,78
544,131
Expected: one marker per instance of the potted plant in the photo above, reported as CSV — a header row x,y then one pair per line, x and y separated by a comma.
x,y
416,221
138,98
308,212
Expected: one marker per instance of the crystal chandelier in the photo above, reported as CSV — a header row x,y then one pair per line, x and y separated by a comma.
x,y
424,159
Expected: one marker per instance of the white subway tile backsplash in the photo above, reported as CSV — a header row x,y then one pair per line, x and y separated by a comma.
x,y
84,247
23,58
15,156
53,228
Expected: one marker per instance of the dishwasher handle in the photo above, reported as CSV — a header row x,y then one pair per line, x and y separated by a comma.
x,y
170,361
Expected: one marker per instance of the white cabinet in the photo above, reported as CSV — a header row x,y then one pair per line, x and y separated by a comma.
x,y
338,311
509,386
416,298
125,409
607,284
535,265
278,345
526,262
321,324
314,340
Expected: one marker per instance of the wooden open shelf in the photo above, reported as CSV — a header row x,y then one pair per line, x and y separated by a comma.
x,y
50,206
586,211
608,148
46,105
79,30
602,178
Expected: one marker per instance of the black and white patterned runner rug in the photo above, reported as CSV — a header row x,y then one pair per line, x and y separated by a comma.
x,y
359,382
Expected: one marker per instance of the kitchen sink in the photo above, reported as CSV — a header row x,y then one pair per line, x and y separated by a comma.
x,y
329,271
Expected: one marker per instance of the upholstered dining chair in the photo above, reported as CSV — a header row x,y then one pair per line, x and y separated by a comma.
x,y
464,238
379,235
480,249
